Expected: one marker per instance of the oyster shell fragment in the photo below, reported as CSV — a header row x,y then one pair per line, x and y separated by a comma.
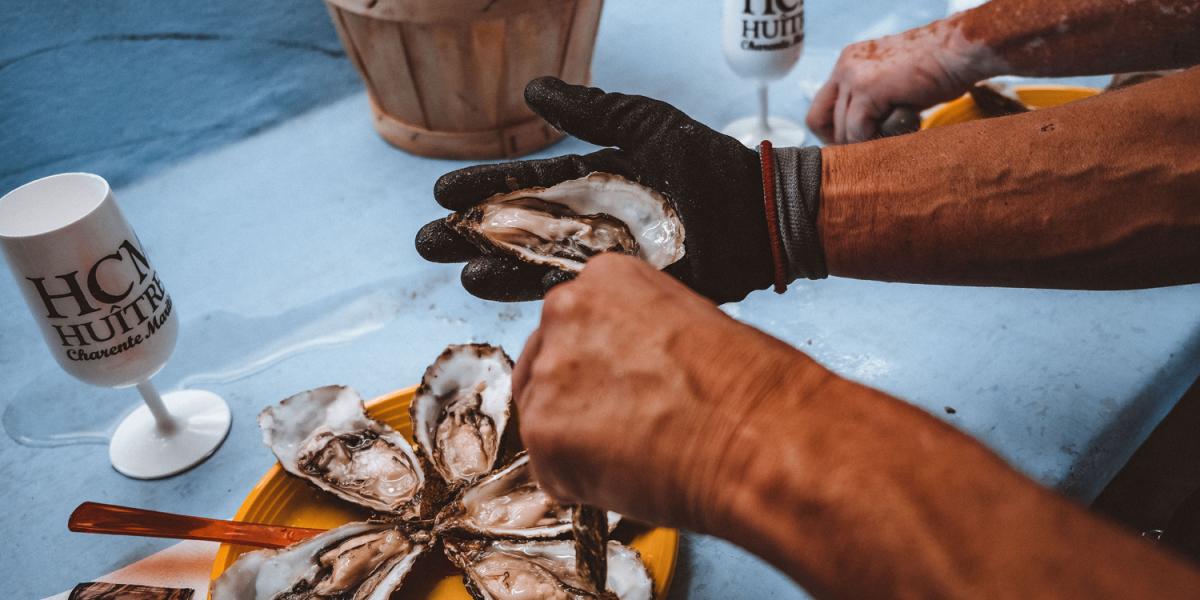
x,y
508,503
325,436
358,561
461,410
566,224
520,570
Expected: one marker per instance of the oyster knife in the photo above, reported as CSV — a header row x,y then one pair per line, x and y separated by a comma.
x,y
94,517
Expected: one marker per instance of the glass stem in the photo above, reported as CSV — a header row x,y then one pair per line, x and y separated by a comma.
x,y
166,424
762,107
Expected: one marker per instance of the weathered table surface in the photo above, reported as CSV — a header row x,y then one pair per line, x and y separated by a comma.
x,y
289,255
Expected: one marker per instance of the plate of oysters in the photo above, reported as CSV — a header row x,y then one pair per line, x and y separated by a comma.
x,y
426,493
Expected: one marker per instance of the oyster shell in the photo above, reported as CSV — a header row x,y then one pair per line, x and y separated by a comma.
x,y
364,560
566,224
461,410
993,101
508,503
498,523
516,570
325,436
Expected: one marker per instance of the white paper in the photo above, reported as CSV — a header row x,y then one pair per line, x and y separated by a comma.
x,y
184,565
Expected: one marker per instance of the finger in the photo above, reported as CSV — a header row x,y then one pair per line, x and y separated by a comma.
x,y
604,119
861,119
820,114
438,242
839,116
503,278
524,393
520,377
464,188
547,470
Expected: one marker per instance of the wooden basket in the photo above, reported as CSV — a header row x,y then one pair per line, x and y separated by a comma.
x,y
446,77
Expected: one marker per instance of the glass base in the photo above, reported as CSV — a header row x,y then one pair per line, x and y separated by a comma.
x,y
782,132
141,451
218,351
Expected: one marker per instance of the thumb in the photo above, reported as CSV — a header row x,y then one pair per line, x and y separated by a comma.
x,y
599,117
547,475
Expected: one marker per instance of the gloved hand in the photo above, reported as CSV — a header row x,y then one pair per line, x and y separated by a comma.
x,y
714,182
913,70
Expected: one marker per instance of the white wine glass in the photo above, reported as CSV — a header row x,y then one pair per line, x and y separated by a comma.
x,y
762,40
106,317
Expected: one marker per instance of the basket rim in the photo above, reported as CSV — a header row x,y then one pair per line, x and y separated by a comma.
x,y
441,11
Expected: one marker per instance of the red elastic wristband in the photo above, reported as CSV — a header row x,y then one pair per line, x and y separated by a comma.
x,y
766,157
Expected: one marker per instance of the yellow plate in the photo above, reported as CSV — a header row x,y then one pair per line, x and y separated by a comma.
x,y
281,499
1036,96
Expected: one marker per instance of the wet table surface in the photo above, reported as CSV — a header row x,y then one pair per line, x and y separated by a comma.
x,y
282,226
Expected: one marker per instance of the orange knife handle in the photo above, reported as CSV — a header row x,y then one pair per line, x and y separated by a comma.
x,y
94,517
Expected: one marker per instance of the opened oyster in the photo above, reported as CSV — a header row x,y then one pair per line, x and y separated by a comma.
x,y
566,224
461,410
512,570
357,561
508,503
449,487
325,436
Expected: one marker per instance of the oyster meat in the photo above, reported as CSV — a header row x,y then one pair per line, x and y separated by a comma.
x,y
508,503
364,560
526,570
566,224
325,436
461,410
496,523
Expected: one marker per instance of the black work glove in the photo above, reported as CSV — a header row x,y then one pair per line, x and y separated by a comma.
x,y
714,182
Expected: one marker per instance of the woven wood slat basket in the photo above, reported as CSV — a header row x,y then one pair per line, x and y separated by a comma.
x,y
446,77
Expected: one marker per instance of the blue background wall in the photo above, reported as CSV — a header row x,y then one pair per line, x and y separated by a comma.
x,y
124,87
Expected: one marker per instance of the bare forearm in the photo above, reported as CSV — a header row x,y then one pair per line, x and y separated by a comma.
x,y
1082,37
1099,194
858,495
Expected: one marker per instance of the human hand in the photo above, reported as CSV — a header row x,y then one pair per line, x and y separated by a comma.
x,y
714,183
914,69
639,396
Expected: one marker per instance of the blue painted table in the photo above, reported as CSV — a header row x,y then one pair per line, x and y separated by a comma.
x,y
289,254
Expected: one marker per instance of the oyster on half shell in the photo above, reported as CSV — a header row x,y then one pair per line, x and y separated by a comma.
x,y
519,570
364,560
508,503
566,224
325,436
461,410
496,523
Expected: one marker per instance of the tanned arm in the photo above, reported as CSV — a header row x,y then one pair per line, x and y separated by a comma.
x,y
1081,37
859,495
1098,194
940,61
639,396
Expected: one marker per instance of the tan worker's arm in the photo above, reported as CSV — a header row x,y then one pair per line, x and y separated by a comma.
x,y
1081,37
940,61
639,396
1099,194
